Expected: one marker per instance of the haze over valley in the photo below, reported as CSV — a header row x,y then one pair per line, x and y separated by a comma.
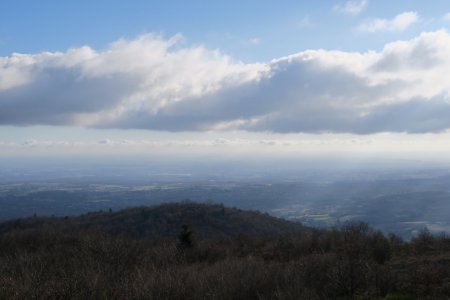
x,y
401,197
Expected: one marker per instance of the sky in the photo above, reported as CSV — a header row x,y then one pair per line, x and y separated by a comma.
x,y
279,78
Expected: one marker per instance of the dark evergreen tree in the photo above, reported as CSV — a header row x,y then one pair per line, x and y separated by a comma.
x,y
187,238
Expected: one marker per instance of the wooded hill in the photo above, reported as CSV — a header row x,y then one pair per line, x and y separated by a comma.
x,y
220,253
165,221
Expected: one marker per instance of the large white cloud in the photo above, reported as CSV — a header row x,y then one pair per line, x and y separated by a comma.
x,y
156,83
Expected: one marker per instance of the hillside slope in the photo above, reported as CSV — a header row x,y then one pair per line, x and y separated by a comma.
x,y
166,220
73,258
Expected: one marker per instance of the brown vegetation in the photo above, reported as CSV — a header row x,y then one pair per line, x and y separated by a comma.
x,y
350,262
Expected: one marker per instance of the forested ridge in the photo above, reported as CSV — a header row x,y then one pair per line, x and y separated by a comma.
x,y
205,251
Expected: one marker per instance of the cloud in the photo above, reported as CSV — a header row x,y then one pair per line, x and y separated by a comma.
x,y
398,23
254,41
353,7
306,22
82,86
207,143
447,17
155,83
274,145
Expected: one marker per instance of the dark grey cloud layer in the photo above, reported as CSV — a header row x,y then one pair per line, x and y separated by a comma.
x,y
146,83
56,96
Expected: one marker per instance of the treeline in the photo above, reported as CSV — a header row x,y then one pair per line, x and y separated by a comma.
x,y
165,220
349,262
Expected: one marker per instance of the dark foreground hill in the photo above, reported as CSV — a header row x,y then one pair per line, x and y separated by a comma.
x,y
139,253
165,221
